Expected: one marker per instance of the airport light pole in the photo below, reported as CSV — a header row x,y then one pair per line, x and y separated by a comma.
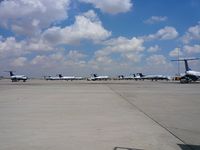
x,y
178,61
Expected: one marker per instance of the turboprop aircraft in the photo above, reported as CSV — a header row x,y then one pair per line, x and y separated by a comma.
x,y
190,75
16,78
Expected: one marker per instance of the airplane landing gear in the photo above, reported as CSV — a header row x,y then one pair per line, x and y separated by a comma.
x,y
185,80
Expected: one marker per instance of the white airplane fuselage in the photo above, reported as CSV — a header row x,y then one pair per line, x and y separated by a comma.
x,y
190,75
53,78
16,78
102,77
95,77
60,77
195,73
140,76
67,78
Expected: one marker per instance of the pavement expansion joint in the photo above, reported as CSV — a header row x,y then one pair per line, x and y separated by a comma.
x,y
125,148
150,117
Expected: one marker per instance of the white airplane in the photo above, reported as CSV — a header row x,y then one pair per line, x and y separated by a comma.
x,y
129,77
67,77
137,76
190,75
79,78
16,78
95,77
60,77
140,76
51,78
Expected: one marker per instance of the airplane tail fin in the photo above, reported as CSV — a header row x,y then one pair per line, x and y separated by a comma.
x,y
60,75
140,74
95,75
11,73
187,68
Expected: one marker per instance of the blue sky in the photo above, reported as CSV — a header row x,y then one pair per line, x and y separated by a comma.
x,y
80,37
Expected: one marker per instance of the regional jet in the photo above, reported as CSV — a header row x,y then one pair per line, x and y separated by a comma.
x,y
61,77
51,78
140,76
67,77
129,77
190,75
95,77
16,78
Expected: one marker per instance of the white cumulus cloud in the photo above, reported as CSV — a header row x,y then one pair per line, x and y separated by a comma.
x,y
86,27
153,49
156,60
19,62
176,52
133,57
167,33
128,49
155,19
31,16
10,47
122,44
193,33
192,49
59,59
111,6
75,55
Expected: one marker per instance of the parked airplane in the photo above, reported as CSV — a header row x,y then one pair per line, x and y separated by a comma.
x,y
129,77
95,77
51,78
190,75
60,77
66,77
16,78
140,76
79,78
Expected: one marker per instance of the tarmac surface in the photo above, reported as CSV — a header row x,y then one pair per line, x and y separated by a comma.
x,y
99,115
